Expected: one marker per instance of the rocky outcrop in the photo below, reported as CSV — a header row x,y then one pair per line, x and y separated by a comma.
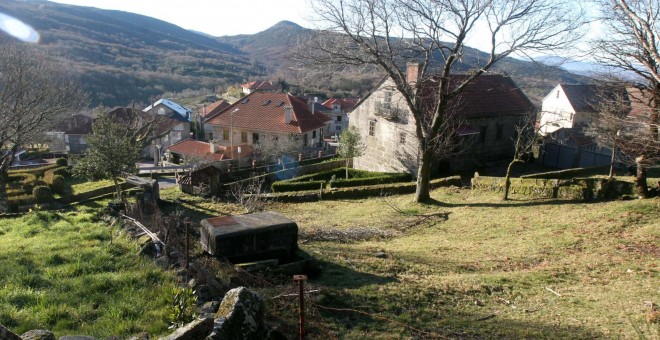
x,y
195,330
38,334
6,334
240,316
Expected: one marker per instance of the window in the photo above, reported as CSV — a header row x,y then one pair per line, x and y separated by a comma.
x,y
243,137
339,118
498,132
482,134
314,134
402,138
225,134
338,128
557,93
210,135
372,127
387,97
255,138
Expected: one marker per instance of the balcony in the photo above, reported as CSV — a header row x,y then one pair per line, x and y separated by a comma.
x,y
389,112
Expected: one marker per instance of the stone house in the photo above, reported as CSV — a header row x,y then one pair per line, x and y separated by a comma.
x,y
174,124
263,86
338,109
488,110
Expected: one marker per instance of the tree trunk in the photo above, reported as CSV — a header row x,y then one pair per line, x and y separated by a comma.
x,y
4,178
346,168
117,189
640,180
507,180
613,159
422,192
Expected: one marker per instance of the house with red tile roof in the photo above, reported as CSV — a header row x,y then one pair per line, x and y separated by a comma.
x,y
338,109
262,117
263,86
487,111
209,110
206,152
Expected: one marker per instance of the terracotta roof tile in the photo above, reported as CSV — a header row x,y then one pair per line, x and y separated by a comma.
x,y
264,111
195,148
213,108
345,104
487,95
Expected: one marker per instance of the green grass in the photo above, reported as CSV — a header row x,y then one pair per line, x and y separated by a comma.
x,y
68,273
486,272
80,185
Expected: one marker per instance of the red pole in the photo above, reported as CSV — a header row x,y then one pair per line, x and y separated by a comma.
x,y
301,301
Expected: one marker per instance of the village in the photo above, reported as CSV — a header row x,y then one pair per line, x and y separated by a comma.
x,y
445,201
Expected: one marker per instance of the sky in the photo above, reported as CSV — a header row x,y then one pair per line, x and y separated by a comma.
x,y
214,17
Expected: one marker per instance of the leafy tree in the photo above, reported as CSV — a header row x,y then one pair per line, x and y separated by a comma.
x,y
350,145
35,94
111,153
384,34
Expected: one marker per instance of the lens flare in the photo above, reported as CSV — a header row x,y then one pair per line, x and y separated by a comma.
x,y
18,29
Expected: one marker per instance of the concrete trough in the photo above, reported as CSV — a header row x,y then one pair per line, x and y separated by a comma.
x,y
250,237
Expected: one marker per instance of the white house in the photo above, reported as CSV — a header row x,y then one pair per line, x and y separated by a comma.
x,y
567,106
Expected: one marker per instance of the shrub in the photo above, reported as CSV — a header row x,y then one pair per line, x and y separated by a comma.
x,y
16,201
42,194
61,162
22,177
49,174
282,186
58,184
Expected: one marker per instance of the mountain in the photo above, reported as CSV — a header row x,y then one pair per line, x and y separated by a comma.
x,y
271,48
121,56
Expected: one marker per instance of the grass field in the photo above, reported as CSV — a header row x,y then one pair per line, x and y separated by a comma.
x,y
68,273
516,269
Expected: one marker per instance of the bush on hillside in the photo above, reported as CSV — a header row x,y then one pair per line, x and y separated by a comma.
x,y
58,184
61,162
42,194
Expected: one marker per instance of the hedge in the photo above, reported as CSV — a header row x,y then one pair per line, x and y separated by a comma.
x,y
569,173
282,186
39,172
339,173
353,182
58,171
369,191
575,189
22,177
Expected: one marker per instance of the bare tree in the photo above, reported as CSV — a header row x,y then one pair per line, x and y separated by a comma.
x,y
385,34
247,193
631,43
524,141
35,94
278,149
610,120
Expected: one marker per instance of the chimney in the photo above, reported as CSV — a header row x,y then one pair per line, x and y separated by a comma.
x,y
212,147
310,105
288,112
412,73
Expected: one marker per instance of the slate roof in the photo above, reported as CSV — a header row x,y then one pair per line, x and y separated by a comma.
x,y
180,109
260,86
264,111
581,97
131,117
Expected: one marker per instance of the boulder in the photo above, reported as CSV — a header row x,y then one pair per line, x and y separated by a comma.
x,y
210,307
77,337
6,334
38,334
195,330
240,316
